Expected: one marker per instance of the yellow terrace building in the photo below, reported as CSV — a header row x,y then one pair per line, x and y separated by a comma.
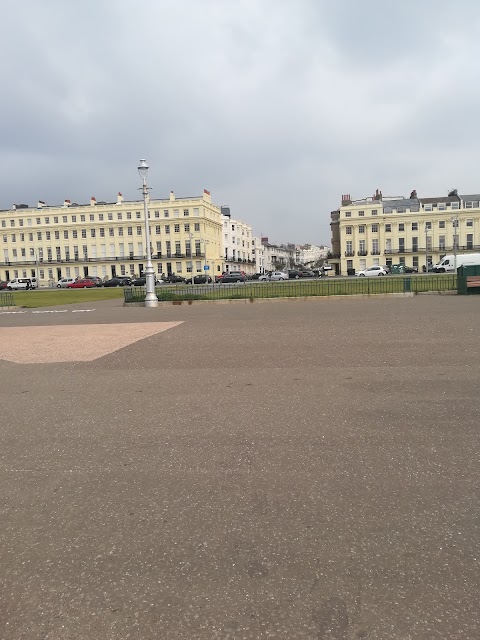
x,y
397,230
106,239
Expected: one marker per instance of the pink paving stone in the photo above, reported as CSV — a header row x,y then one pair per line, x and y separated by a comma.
x,y
73,343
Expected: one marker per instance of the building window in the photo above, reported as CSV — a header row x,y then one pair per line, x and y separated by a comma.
x,y
441,243
92,217
166,213
129,231
37,220
427,207
388,228
415,243
47,220
401,245
374,212
65,235
361,248
102,232
55,219
375,250
469,240
139,231
176,228
74,218
348,214
349,265
57,235
441,224
119,216
110,216
470,222
361,228
195,212
197,226
120,231
178,267
401,226
414,226
92,233
400,209
361,214
348,231
428,225
176,213
468,205
185,212
47,234
129,215
415,262
455,205
39,235
64,218
74,234
167,229
374,228
442,206
158,229
186,227
111,232
137,215
100,217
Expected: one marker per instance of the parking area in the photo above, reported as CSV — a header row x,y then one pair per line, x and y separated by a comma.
x,y
297,470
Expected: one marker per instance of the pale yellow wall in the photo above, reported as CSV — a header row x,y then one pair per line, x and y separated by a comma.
x,y
391,239
203,217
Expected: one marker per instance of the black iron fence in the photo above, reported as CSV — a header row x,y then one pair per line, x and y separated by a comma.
x,y
299,289
6,299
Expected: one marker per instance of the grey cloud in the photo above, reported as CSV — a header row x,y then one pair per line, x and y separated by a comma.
x,y
277,107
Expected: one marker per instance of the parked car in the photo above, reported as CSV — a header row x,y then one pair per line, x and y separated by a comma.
x,y
306,273
255,276
375,270
117,282
20,283
402,268
63,282
3,284
233,276
98,281
139,282
82,283
294,274
174,278
199,279
279,275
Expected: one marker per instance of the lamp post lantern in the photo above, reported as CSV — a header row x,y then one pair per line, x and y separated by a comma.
x,y
151,299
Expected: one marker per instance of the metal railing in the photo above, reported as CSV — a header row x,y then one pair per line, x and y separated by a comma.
x,y
299,289
6,299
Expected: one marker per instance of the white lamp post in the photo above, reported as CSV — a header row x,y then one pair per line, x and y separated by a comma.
x,y
151,299
455,226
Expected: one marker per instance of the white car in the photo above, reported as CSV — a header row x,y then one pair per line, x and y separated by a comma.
x,y
376,270
64,282
279,275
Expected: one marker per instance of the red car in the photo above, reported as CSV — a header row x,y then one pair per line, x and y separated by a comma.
x,y
3,285
85,283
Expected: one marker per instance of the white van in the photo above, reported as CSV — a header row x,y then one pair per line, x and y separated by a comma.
x,y
20,283
446,264
64,282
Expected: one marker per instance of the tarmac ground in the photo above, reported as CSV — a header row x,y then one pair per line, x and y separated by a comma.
x,y
297,470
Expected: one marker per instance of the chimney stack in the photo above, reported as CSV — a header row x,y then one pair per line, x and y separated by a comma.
x,y
346,200
172,196
93,201
66,203
119,198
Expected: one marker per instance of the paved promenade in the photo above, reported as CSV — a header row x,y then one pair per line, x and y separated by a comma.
x,y
302,470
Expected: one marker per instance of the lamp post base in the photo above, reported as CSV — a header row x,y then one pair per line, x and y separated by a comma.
x,y
150,303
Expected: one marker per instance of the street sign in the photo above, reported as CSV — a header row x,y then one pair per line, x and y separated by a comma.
x,y
206,267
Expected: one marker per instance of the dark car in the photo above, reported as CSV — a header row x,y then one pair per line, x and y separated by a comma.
x,y
199,279
294,274
98,281
139,282
255,276
3,284
233,276
117,282
172,277
306,273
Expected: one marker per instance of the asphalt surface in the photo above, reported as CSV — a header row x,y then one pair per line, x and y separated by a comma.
x,y
295,470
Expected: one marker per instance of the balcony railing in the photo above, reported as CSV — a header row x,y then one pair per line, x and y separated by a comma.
x,y
362,252
349,254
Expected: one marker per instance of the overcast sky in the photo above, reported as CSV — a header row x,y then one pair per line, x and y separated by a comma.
x,y
278,107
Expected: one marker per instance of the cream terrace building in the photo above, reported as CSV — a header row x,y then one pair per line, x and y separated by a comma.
x,y
397,230
237,244
106,239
